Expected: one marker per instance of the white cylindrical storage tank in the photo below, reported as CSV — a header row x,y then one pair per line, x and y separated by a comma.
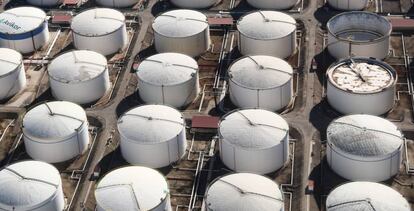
x,y
359,34
254,141
267,33
261,82
361,86
364,148
243,191
152,136
55,131
79,76
24,29
273,4
102,30
31,185
133,188
348,4
169,79
366,196
194,4
45,3
116,3
12,73
182,31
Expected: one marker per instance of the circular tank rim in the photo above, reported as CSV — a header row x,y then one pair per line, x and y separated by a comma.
x,y
78,82
221,138
168,194
138,142
251,88
228,174
266,39
179,37
382,64
34,28
41,204
98,35
358,42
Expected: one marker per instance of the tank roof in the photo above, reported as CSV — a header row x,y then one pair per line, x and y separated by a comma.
x,y
77,66
28,185
180,23
150,124
365,196
167,69
266,25
9,61
53,121
244,191
362,75
131,188
253,129
260,72
364,135
21,20
97,22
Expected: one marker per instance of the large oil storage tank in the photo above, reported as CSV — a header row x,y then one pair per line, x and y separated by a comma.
x,y
182,31
152,136
364,148
79,76
117,3
365,196
361,86
268,33
261,82
273,4
169,79
194,4
243,191
359,33
133,188
102,30
31,185
348,4
24,29
12,73
254,141
55,131
45,3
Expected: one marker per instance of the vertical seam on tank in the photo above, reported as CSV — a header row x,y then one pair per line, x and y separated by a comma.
x,y
169,154
33,41
162,93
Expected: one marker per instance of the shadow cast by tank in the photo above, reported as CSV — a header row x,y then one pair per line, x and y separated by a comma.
x,y
323,61
128,103
321,115
323,14
15,3
161,7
